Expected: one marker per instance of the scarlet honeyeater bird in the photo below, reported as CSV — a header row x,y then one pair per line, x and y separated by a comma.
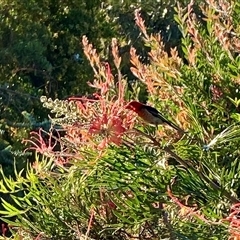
x,y
150,115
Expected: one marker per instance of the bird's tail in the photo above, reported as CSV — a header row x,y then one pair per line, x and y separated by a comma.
x,y
171,124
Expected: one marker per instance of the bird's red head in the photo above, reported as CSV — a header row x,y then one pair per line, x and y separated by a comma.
x,y
134,105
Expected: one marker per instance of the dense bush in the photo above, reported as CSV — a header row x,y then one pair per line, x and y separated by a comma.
x,y
111,176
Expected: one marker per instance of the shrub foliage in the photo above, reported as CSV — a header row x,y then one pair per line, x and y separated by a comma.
x,y
102,173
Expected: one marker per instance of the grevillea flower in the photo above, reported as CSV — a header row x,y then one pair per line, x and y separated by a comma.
x,y
186,211
104,118
104,122
110,128
92,122
233,218
42,142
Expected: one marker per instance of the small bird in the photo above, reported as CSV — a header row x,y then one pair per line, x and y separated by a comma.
x,y
150,115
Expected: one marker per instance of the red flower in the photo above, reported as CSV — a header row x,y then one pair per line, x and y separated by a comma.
x,y
110,128
233,218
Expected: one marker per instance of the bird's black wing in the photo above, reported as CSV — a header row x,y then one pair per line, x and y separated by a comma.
x,y
156,113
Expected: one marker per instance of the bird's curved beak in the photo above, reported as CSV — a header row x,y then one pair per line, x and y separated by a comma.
x,y
129,106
